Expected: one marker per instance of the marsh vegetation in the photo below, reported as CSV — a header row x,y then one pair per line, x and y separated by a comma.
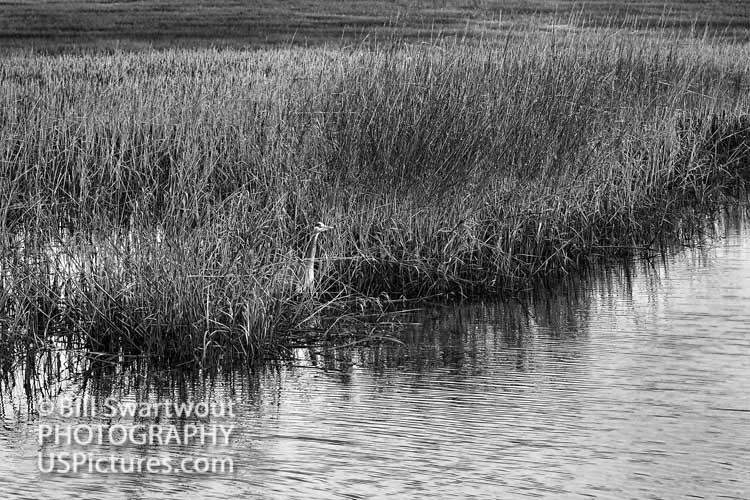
x,y
75,25
153,203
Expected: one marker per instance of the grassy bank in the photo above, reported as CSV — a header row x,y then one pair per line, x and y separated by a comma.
x,y
54,26
157,203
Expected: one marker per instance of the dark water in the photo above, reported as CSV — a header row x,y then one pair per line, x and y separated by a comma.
x,y
635,384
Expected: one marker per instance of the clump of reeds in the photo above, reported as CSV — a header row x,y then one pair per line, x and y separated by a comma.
x,y
154,203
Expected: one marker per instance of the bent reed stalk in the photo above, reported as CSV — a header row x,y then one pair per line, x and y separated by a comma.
x,y
153,203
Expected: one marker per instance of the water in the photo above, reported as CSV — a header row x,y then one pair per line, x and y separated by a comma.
x,y
634,384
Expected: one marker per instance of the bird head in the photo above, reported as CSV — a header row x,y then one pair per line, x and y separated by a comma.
x,y
321,228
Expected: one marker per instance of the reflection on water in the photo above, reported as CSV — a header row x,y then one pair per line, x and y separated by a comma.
x,y
633,384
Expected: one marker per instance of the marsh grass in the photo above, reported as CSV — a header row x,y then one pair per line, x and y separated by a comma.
x,y
80,25
154,203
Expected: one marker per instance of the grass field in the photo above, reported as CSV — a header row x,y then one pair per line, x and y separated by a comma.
x,y
54,25
157,202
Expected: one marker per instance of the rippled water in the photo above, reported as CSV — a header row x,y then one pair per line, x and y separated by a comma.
x,y
633,384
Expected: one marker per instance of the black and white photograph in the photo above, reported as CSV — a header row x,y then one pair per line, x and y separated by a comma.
x,y
374,249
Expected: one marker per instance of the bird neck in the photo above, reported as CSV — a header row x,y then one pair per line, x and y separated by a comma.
x,y
310,257
308,280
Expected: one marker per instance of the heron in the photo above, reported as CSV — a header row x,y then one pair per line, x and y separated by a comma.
x,y
306,282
